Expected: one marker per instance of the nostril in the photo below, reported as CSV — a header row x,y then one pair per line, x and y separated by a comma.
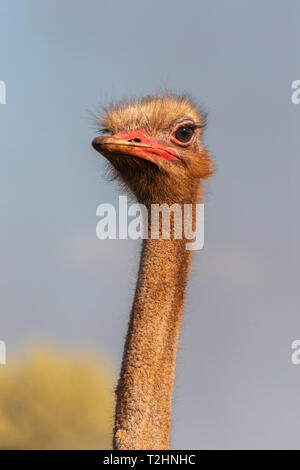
x,y
134,140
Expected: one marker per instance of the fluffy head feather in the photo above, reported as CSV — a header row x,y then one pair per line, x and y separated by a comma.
x,y
152,178
153,113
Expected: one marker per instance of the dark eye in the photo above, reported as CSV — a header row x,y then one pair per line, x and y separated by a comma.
x,y
184,134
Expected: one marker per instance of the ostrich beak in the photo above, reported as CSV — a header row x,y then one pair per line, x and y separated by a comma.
x,y
133,143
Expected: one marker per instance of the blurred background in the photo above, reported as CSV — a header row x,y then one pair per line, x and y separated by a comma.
x,y
65,295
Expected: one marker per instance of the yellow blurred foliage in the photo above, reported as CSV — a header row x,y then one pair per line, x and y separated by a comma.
x,y
52,400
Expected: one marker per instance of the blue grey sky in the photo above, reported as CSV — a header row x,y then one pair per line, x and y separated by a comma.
x,y
235,386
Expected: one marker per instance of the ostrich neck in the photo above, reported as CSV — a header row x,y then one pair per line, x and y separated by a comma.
x,y
144,392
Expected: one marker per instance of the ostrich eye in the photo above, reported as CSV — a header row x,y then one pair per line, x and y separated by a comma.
x,y
184,134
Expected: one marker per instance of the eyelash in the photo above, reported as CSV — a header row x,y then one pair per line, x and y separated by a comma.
x,y
104,131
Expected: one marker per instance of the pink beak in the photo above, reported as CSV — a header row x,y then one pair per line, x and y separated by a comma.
x,y
134,143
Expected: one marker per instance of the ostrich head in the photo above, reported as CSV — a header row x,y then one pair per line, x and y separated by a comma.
x,y
155,147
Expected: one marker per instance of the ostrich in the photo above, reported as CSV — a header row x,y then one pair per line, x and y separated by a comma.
x,y
154,146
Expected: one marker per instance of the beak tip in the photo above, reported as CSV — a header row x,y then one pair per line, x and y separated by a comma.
x,y
95,143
